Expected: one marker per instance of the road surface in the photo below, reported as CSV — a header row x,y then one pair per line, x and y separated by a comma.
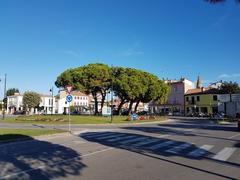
x,y
177,149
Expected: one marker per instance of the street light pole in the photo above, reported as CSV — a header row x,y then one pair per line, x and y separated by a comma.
x,y
51,90
5,96
112,96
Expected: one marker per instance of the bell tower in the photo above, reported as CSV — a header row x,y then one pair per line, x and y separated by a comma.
x,y
199,83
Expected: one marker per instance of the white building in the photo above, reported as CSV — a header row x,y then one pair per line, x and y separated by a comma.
x,y
80,102
15,104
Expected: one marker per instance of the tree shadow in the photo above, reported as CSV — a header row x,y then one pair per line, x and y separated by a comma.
x,y
169,150
34,159
168,131
106,138
189,124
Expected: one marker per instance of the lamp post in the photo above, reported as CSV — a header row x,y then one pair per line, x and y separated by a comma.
x,y
112,94
52,90
4,96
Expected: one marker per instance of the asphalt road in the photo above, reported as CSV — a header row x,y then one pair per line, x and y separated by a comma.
x,y
177,149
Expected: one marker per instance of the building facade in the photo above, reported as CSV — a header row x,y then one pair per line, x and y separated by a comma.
x,y
46,106
80,102
175,101
201,100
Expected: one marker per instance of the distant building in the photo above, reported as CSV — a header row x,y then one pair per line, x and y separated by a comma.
x,y
215,85
80,102
229,104
175,102
15,104
201,100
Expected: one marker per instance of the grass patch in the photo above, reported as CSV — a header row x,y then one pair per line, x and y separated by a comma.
x,y
7,135
61,119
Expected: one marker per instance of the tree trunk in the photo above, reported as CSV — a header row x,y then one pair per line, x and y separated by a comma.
x,y
120,106
136,106
94,94
130,107
103,100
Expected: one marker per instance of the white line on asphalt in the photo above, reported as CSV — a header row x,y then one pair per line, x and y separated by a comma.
x,y
150,141
133,140
99,134
164,144
163,136
109,137
177,149
200,151
224,154
121,138
63,161
234,136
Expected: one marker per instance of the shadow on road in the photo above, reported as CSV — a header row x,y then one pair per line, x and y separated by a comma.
x,y
164,151
38,160
171,131
200,124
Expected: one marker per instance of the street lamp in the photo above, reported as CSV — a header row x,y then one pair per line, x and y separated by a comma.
x,y
52,90
4,97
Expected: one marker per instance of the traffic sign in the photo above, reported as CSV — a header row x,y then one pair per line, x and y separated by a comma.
x,y
69,89
69,98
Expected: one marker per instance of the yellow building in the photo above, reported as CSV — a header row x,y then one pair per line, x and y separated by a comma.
x,y
201,101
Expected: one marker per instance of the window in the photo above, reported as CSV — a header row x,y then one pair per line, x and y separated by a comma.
x,y
198,98
215,97
187,99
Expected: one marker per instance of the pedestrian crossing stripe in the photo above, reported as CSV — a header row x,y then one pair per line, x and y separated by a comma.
x,y
224,154
120,138
177,149
150,141
133,140
99,134
109,136
164,144
200,151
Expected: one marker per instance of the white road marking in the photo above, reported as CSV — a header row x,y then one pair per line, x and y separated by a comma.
x,y
234,136
120,138
200,151
163,136
98,134
224,154
109,136
177,149
157,146
146,142
63,161
133,140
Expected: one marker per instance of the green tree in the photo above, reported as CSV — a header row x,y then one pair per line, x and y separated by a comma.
x,y
92,78
10,92
230,88
31,100
135,86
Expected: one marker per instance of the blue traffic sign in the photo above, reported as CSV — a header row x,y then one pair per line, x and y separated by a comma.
x,y
69,98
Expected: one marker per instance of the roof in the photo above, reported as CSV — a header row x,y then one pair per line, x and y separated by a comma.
x,y
78,93
202,91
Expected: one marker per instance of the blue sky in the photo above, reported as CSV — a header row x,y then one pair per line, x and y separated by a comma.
x,y
40,39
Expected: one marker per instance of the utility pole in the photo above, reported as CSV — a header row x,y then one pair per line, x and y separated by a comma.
x,y
5,96
51,90
112,96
